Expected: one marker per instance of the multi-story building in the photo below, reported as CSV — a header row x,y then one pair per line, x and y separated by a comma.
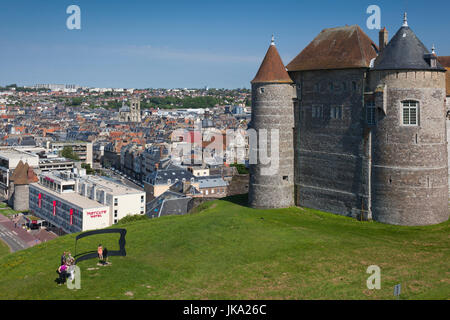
x,y
79,203
212,187
160,181
81,148
55,164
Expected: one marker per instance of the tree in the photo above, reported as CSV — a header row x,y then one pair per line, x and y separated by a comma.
x,y
67,152
88,168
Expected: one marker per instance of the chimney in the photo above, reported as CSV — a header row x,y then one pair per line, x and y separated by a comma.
x,y
383,39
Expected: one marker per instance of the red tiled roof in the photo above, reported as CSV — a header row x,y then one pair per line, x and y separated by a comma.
x,y
272,68
336,48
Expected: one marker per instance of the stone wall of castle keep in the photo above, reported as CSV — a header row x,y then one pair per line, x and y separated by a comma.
x,y
331,153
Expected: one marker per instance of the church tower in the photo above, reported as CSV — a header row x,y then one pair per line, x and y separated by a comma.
x,y
273,110
135,109
409,168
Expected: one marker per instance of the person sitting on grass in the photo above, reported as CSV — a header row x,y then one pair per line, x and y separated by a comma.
x,y
62,271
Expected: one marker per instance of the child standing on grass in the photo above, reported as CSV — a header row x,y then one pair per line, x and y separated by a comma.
x,y
100,252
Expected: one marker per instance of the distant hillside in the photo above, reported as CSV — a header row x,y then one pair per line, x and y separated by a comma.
x,y
229,251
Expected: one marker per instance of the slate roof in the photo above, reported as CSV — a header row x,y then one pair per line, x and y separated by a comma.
x,y
336,48
272,68
168,203
161,177
211,182
405,52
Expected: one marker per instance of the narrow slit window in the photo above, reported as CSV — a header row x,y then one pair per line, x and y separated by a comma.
x,y
371,113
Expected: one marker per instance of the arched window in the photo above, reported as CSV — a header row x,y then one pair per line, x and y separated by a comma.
x,y
410,113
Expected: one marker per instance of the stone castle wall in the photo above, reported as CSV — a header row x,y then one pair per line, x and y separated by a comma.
x,y
272,109
331,164
410,163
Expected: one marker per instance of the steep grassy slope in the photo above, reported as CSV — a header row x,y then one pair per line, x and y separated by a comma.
x,y
4,249
229,251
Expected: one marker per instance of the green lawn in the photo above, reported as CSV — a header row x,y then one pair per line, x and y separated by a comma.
x,y
7,211
4,249
229,251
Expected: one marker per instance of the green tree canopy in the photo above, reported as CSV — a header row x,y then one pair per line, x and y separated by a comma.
x,y
67,152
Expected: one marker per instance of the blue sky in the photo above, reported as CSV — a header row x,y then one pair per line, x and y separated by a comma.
x,y
181,43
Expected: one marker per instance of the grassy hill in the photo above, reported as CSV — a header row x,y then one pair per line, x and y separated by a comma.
x,y
229,251
4,249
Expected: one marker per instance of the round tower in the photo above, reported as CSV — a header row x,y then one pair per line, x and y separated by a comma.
x,y
22,176
409,168
272,184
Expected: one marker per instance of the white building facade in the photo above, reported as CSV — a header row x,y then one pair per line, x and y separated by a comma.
x,y
76,204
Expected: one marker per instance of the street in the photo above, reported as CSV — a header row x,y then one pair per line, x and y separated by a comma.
x,y
12,239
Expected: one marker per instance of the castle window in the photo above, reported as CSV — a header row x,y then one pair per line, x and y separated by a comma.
x,y
371,113
261,90
410,113
336,112
317,112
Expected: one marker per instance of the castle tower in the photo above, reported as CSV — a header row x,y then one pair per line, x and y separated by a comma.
x,y
22,176
272,109
409,162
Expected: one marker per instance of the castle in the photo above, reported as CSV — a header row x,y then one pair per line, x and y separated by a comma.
x,y
362,128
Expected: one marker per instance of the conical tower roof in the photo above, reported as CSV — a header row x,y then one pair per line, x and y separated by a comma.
x,y
405,52
20,174
272,68
32,177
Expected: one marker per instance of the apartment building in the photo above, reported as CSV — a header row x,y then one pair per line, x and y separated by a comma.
x,y
81,148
